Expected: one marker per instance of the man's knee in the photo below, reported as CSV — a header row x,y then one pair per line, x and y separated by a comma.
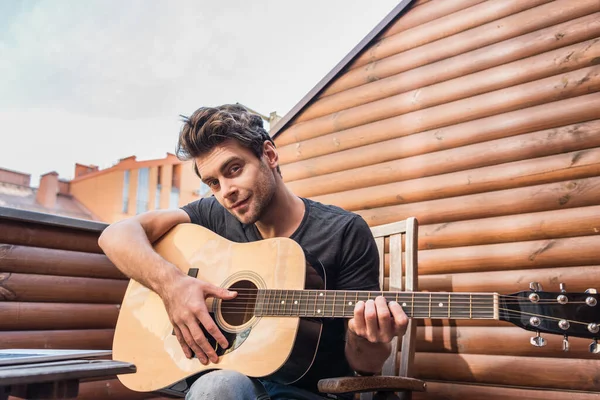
x,y
222,385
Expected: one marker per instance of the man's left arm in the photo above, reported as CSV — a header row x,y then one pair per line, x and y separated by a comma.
x,y
375,323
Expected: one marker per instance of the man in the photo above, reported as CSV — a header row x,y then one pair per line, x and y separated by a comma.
x,y
237,159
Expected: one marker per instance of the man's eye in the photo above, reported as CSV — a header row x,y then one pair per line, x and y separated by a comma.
x,y
235,169
213,183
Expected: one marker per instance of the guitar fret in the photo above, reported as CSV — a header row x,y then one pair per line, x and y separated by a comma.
x,y
331,304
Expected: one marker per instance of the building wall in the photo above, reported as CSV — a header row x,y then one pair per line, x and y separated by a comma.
x,y
480,118
14,177
102,191
102,195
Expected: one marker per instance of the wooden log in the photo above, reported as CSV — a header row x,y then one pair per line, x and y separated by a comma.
x,y
60,289
576,279
493,32
17,316
440,28
420,15
508,341
514,228
553,196
547,116
528,146
575,83
88,339
573,165
579,251
36,260
454,391
52,237
538,42
509,370
563,60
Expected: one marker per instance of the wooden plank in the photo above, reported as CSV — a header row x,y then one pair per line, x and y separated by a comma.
x,y
448,25
52,237
568,252
562,60
37,260
507,51
494,152
61,289
454,391
571,84
493,32
89,339
581,221
18,316
388,229
553,196
507,341
509,370
555,168
577,279
549,116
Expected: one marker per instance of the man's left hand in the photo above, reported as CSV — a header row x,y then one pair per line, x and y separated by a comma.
x,y
377,321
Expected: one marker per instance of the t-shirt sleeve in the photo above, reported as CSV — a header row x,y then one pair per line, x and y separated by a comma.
x,y
359,258
205,212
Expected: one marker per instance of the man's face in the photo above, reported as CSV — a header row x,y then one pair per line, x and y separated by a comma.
x,y
241,182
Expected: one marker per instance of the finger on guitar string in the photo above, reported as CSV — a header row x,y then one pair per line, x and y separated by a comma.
x,y
357,323
371,321
400,318
385,331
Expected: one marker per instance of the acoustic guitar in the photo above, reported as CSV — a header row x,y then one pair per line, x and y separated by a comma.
x,y
273,326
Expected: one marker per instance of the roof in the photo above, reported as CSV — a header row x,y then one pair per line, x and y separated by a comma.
x,y
23,198
340,67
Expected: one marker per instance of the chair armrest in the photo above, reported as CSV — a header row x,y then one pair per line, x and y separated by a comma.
x,y
370,384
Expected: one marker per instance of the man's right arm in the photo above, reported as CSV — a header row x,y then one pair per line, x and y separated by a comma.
x,y
128,244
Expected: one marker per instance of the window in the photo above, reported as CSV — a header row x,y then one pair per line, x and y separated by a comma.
x,y
125,207
143,190
174,198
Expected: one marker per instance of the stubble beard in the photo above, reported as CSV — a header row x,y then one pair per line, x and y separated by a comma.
x,y
262,197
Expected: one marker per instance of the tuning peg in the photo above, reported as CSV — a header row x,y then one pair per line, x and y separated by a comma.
x,y
537,340
535,286
591,291
566,343
563,287
594,348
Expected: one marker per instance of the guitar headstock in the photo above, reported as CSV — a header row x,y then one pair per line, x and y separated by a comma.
x,y
560,313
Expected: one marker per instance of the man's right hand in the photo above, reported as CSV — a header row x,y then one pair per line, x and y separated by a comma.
x,y
185,302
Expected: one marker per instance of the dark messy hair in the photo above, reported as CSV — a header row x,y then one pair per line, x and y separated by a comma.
x,y
208,127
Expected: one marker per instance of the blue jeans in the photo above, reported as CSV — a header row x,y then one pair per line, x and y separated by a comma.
x,y
231,385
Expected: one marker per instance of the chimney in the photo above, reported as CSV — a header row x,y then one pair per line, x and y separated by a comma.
x,y
81,170
48,190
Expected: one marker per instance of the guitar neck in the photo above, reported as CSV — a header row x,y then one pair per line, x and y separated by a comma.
x,y
340,304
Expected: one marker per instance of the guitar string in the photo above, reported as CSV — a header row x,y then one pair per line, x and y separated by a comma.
x,y
428,315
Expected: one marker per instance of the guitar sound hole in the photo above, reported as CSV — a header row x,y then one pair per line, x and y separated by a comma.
x,y
240,310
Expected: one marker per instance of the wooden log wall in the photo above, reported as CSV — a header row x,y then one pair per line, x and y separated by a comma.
x,y
58,291
481,119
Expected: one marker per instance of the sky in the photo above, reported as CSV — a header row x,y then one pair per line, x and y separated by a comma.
x,y
95,81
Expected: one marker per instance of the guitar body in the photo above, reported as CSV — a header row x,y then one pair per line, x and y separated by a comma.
x,y
281,348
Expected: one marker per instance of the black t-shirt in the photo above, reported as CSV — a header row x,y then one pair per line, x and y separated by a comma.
x,y
339,240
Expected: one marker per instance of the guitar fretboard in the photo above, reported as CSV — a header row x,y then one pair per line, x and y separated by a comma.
x,y
340,304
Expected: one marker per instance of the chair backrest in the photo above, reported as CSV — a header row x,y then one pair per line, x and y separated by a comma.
x,y
402,275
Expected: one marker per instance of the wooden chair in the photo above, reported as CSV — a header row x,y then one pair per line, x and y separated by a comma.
x,y
390,385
